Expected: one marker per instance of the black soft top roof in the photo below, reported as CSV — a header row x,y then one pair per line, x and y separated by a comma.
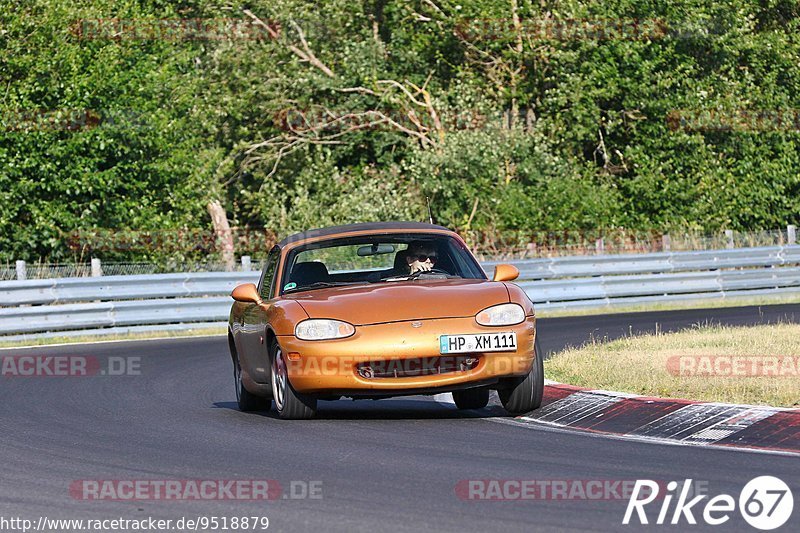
x,y
363,226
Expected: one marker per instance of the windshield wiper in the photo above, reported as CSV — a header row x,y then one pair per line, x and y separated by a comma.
x,y
322,285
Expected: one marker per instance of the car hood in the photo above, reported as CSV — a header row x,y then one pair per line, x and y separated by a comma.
x,y
402,300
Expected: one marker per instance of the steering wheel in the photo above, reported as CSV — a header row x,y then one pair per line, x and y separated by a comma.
x,y
434,270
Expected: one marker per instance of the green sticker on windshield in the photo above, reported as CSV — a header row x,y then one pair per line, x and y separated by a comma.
x,y
289,286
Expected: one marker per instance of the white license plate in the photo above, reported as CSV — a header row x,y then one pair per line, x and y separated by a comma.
x,y
478,342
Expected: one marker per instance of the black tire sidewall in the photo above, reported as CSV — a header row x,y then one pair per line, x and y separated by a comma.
x,y
525,394
296,406
247,400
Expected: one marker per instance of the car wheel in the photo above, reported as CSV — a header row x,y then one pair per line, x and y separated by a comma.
x,y
524,394
290,404
471,398
247,400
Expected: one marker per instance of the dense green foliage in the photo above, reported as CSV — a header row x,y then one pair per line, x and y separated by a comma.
x,y
504,126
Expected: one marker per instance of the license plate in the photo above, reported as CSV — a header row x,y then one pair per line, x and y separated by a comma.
x,y
478,342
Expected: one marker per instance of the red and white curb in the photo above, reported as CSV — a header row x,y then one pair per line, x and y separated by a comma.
x,y
663,420
669,420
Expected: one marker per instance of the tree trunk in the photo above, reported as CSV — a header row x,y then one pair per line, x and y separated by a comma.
x,y
222,232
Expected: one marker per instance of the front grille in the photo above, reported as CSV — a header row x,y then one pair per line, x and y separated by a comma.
x,y
416,367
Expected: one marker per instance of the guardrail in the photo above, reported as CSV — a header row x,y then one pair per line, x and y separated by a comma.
x,y
113,302
591,265
69,290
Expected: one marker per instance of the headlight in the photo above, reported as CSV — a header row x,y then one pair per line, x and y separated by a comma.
x,y
322,329
501,315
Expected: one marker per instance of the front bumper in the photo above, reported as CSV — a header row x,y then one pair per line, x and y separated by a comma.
x,y
332,367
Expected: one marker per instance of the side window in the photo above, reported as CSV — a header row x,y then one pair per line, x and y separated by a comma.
x,y
267,277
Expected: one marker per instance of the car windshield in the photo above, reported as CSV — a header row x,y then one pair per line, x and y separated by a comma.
x,y
385,258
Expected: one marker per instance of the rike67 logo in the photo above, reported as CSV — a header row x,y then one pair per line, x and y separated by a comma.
x,y
765,503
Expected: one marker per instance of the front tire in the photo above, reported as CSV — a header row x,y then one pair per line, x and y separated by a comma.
x,y
471,398
290,404
524,394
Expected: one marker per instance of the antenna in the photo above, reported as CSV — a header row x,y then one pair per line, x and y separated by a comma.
x,y
430,214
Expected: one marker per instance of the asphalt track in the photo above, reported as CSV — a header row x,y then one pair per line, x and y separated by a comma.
x,y
390,465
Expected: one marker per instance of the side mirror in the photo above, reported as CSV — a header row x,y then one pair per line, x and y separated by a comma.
x,y
505,273
246,293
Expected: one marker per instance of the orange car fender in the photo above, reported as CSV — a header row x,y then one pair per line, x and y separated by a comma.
x,y
283,316
518,296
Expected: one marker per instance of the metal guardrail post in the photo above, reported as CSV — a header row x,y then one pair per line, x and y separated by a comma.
x,y
599,245
97,268
666,242
729,238
22,272
791,234
246,264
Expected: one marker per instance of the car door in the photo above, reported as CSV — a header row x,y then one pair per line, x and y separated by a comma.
x,y
254,359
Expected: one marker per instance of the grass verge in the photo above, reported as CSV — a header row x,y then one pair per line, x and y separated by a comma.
x,y
750,365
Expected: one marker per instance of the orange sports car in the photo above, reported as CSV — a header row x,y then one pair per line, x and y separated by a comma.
x,y
381,310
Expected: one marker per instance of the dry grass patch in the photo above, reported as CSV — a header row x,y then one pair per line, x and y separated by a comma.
x,y
751,365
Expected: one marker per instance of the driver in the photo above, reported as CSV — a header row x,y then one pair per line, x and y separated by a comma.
x,y
421,256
